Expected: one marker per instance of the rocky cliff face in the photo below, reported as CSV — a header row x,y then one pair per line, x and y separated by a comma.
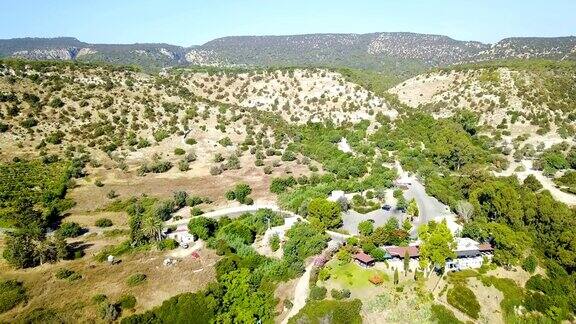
x,y
379,51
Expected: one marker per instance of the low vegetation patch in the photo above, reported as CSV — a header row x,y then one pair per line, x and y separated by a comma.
x,y
12,293
136,279
443,315
67,274
332,311
463,299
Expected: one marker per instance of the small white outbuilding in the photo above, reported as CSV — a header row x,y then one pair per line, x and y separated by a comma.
x,y
181,235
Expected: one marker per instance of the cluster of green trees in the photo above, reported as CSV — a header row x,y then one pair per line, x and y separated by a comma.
x,y
437,244
324,214
32,198
558,157
371,238
240,193
297,196
521,222
244,291
318,141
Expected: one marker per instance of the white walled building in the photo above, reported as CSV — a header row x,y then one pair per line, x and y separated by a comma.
x,y
181,235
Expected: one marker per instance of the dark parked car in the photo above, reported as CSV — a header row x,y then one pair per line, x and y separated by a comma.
x,y
386,207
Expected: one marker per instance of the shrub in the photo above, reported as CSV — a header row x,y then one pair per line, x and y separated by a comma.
x,y
216,170
317,293
160,135
202,227
463,299
12,293
529,264
99,298
183,165
443,315
340,294
230,195
194,201
98,183
196,211
274,242
70,229
191,157
136,279
179,151
103,222
279,185
241,192
167,244
63,273
324,274
111,194
127,302
336,311
366,227
109,312
225,141
191,141
67,274
180,198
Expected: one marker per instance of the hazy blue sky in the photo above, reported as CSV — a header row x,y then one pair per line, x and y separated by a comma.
x,y
195,22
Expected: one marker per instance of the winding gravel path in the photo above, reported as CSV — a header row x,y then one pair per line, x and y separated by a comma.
x,y
300,293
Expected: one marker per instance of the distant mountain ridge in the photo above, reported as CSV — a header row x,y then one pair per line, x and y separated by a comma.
x,y
69,48
395,51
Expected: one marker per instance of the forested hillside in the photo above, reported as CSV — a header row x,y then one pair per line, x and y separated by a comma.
x,y
99,160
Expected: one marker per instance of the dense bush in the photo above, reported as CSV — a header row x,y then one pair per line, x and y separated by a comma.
x,y
324,213
340,294
70,229
274,242
202,227
463,299
529,264
317,293
443,315
303,241
127,302
177,310
167,244
12,293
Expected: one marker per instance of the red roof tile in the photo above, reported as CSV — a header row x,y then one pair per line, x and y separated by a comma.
x,y
363,257
399,251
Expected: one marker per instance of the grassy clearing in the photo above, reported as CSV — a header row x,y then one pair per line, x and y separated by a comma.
x,y
120,249
443,315
351,275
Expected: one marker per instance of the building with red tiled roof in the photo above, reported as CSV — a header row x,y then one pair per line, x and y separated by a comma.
x,y
364,259
400,251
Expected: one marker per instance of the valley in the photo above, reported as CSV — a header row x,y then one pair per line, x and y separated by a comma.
x,y
277,188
